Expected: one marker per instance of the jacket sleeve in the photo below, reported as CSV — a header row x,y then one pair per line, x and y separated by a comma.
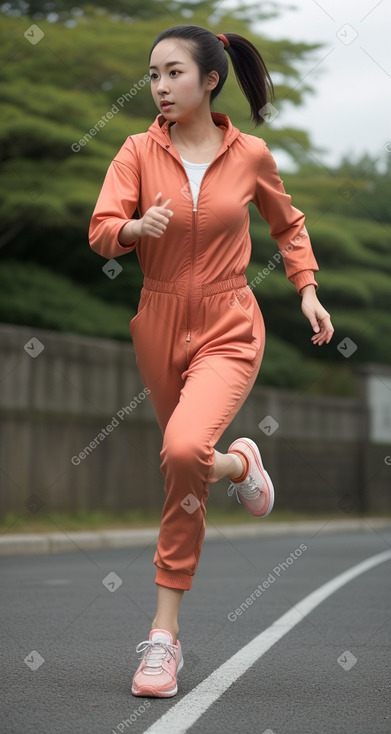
x,y
287,224
116,204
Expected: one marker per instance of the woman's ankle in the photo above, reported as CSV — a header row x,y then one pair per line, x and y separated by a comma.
x,y
169,628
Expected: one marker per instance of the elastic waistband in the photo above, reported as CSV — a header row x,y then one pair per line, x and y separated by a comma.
x,y
207,289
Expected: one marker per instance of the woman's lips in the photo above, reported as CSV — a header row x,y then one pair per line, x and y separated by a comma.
x,y
166,106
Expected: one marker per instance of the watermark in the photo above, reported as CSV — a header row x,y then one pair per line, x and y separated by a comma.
x,y
115,108
347,347
268,425
347,34
262,274
112,269
34,34
134,716
33,347
112,581
272,577
33,503
34,660
268,112
347,660
191,503
114,423
387,460
347,190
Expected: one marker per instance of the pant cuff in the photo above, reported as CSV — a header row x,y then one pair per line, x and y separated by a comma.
x,y
173,579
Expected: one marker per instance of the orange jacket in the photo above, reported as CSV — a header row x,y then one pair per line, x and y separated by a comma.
x,y
215,239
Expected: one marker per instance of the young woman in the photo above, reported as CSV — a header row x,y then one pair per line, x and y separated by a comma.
x,y
198,333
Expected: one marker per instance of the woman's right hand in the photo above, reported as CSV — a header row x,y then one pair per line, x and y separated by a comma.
x,y
155,220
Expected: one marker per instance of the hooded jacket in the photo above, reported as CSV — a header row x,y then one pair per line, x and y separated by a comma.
x,y
212,243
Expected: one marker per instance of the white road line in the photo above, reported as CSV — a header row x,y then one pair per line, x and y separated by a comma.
x,y
185,713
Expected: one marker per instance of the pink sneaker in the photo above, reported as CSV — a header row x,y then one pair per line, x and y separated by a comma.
x,y
162,659
255,488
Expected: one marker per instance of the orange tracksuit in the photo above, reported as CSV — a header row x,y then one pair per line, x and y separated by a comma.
x,y
198,334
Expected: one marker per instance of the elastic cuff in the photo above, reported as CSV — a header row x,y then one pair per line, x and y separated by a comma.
x,y
303,278
132,244
172,579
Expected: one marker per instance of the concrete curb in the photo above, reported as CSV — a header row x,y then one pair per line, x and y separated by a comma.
x,y
49,543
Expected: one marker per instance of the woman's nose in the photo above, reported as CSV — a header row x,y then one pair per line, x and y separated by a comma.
x,y
162,86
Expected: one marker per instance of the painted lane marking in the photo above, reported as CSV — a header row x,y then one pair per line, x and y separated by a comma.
x,y
188,710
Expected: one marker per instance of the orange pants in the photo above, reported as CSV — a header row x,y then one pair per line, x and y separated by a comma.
x,y
199,353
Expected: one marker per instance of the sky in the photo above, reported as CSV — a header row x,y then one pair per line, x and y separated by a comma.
x,y
349,113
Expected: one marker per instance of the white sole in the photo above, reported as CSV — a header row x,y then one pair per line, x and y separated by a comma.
x,y
164,694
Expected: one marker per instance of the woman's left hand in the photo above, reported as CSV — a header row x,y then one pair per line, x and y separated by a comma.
x,y
318,317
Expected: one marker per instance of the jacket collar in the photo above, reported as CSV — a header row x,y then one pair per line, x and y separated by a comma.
x,y
159,130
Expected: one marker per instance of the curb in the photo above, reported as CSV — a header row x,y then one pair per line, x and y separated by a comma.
x,y
51,543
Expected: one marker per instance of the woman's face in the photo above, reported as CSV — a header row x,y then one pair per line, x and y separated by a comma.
x,y
178,83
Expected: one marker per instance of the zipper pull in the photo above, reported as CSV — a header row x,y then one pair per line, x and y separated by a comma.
x,y
188,336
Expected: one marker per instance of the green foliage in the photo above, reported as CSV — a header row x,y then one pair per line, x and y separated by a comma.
x,y
55,93
34,296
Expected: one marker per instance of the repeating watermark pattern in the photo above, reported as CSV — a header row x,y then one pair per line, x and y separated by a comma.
x,y
112,581
262,274
114,423
347,34
268,425
272,577
33,503
186,190
34,347
347,190
387,460
347,347
268,112
347,660
105,119
34,190
387,146
34,660
347,503
191,503
34,34
112,269
134,716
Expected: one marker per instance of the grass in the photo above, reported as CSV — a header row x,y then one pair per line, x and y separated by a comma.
x,y
84,520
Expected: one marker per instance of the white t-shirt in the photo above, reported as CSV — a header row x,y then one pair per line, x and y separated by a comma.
x,y
195,172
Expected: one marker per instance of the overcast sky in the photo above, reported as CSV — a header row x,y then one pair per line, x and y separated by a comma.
x,y
350,111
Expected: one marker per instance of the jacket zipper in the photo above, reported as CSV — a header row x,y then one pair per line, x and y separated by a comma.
x,y
194,239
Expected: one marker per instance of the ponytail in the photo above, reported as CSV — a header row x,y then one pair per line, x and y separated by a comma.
x,y
209,53
251,73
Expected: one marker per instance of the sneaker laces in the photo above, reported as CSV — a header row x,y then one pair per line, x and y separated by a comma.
x,y
155,652
249,489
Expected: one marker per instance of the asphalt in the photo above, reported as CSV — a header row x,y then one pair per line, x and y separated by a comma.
x,y
70,624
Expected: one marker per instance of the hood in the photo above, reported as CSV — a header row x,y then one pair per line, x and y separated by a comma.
x,y
159,130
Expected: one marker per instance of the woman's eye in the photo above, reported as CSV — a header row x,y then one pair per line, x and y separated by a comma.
x,y
174,71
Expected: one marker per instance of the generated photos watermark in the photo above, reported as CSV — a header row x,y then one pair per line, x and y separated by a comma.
x,y
134,716
272,577
114,423
262,274
105,119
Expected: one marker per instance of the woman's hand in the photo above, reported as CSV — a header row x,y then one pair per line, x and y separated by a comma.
x,y
155,220
318,317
